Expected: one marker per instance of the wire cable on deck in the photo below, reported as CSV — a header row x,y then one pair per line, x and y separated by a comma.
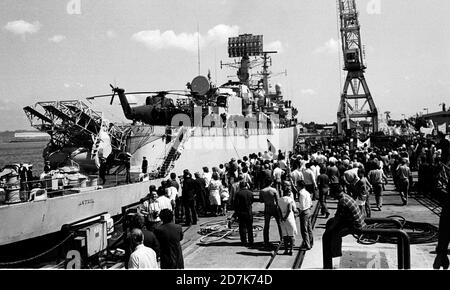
x,y
225,229
37,256
418,232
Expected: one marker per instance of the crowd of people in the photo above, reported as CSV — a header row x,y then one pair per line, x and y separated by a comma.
x,y
288,182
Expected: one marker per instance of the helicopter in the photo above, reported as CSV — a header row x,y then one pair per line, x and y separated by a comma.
x,y
158,108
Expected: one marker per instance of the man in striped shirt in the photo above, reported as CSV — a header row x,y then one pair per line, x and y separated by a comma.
x,y
348,217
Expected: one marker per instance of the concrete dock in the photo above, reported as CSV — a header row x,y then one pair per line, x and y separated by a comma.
x,y
229,253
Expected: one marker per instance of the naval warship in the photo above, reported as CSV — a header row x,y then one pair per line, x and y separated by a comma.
x,y
203,125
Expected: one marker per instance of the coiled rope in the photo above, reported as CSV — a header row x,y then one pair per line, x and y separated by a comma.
x,y
37,256
418,232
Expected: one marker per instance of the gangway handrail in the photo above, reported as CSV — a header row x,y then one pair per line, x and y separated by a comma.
x,y
403,243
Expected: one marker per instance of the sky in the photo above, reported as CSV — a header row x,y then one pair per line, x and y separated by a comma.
x,y
73,49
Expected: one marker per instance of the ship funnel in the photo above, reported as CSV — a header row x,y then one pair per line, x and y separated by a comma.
x,y
278,89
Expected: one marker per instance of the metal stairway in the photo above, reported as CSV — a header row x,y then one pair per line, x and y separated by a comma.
x,y
168,163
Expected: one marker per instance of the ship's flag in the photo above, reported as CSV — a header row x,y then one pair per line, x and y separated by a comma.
x,y
271,147
363,144
443,128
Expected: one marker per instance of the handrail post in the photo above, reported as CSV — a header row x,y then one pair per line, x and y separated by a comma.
x,y
326,253
406,249
400,252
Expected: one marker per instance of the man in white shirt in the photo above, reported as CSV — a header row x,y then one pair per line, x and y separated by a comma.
x,y
296,176
207,176
310,179
164,201
305,204
277,174
142,256
171,193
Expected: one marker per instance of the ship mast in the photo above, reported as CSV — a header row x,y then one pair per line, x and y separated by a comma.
x,y
266,73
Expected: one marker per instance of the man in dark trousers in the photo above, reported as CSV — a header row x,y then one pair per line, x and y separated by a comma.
x,y
441,259
178,206
348,217
202,202
243,201
190,190
144,164
269,196
150,240
169,236
127,169
444,145
23,177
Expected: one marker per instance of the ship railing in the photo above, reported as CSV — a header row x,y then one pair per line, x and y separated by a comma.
x,y
41,189
403,242
225,132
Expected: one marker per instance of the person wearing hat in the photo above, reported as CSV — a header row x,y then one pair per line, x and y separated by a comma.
x,y
242,204
47,167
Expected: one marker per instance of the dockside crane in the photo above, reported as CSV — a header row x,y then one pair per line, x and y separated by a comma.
x,y
352,48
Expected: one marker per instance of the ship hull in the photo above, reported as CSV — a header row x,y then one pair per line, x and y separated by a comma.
x,y
209,147
213,146
32,219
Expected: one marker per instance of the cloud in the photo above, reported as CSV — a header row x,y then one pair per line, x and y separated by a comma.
x,y
310,92
155,39
111,34
57,38
220,33
21,27
275,45
329,47
67,85
5,105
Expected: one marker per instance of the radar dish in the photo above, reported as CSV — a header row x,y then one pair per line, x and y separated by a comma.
x,y
200,85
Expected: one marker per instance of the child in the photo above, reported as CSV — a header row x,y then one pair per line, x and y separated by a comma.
x,y
224,196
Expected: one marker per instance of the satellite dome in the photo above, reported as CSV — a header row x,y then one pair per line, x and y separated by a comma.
x,y
200,85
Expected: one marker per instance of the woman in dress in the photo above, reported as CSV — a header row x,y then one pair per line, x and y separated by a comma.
x,y
215,187
288,226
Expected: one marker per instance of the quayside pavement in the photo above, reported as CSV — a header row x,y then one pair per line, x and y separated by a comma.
x,y
228,252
